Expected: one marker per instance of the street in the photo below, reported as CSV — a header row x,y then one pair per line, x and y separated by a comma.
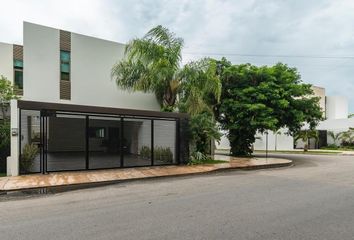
x,y
312,200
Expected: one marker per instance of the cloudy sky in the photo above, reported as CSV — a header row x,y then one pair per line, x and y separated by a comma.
x,y
316,36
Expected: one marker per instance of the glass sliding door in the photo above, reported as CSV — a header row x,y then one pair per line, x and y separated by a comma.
x,y
30,139
136,142
66,142
104,141
164,142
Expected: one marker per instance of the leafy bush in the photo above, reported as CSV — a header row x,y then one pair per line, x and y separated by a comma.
x,y
145,152
30,152
4,144
198,158
203,129
330,146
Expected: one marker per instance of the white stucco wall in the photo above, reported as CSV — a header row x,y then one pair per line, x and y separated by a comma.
x,y
279,141
321,93
12,160
6,61
41,63
224,142
336,107
92,60
336,124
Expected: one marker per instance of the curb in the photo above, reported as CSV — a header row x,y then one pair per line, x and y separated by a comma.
x,y
77,186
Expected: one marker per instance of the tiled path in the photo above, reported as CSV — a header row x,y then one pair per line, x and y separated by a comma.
x,y
96,176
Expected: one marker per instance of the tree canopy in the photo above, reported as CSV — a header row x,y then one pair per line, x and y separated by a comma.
x,y
152,64
256,99
7,92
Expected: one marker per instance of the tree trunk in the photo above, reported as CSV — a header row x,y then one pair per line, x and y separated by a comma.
x,y
306,147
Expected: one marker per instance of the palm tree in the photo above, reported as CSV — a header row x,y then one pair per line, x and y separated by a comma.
x,y
151,64
347,137
335,136
200,87
305,136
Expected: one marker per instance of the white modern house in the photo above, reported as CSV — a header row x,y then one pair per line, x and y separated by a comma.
x,y
335,111
73,111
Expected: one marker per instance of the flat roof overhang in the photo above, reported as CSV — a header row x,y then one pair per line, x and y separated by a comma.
x,y
35,105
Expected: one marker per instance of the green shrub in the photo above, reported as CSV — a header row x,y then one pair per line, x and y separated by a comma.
x,y
198,158
30,152
4,143
145,152
331,146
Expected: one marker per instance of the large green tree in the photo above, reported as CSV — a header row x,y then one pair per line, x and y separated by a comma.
x,y
256,99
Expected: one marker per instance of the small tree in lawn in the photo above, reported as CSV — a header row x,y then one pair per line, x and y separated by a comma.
x,y
256,99
335,136
347,137
305,136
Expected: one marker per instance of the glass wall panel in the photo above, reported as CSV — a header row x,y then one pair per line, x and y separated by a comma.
x,y
137,142
164,142
104,142
66,142
30,141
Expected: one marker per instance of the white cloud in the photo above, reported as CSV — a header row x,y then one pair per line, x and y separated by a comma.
x,y
276,27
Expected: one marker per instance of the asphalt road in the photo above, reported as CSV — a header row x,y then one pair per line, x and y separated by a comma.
x,y
312,200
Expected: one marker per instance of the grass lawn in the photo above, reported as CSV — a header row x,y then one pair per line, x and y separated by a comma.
x,y
338,149
210,161
300,152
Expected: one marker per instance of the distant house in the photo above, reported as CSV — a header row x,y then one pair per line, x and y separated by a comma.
x,y
76,115
335,110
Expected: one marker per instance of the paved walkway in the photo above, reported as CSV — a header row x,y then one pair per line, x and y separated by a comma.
x,y
97,176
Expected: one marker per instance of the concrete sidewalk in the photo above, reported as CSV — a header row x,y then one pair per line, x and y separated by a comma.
x,y
99,176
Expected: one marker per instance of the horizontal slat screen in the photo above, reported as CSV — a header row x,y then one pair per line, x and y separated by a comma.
x,y
19,92
18,52
65,40
65,89
65,85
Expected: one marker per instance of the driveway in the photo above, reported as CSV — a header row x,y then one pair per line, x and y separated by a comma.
x,y
312,200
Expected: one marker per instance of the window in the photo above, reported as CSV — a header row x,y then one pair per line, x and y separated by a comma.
x,y
64,65
19,79
18,67
18,64
97,132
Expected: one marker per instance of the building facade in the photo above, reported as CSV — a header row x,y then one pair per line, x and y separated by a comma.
x,y
73,111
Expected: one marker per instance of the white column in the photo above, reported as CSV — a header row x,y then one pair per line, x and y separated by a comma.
x,y
13,160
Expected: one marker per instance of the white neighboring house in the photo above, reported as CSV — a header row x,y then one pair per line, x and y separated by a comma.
x,y
75,113
335,109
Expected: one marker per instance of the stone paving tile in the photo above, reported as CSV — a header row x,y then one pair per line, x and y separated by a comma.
x,y
68,178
